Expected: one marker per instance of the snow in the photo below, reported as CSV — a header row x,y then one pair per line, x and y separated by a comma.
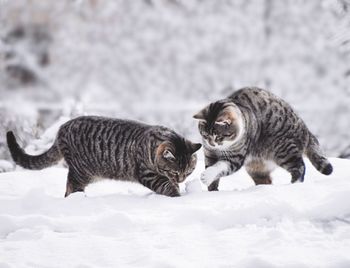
x,y
121,224
160,62
5,166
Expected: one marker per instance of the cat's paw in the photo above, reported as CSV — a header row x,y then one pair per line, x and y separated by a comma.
x,y
209,175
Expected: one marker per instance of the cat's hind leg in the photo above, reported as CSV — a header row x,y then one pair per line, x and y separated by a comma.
x,y
76,182
295,165
259,170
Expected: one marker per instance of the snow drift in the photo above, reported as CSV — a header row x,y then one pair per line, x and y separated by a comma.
x,y
121,224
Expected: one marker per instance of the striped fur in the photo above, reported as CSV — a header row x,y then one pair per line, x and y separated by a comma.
x,y
92,147
253,127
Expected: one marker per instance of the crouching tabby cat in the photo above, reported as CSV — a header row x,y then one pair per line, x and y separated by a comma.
x,y
253,127
92,147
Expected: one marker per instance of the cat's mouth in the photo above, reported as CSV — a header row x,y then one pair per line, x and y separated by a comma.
x,y
177,179
180,180
215,142
219,144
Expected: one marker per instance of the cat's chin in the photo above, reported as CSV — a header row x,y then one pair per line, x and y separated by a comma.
x,y
224,146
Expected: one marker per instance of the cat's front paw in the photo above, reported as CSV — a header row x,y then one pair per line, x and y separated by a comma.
x,y
208,176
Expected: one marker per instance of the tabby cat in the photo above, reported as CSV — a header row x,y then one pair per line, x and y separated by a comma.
x,y
93,147
253,127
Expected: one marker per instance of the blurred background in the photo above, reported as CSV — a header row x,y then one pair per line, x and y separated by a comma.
x,y
160,61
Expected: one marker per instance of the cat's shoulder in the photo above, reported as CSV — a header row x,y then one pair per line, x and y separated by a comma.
x,y
253,92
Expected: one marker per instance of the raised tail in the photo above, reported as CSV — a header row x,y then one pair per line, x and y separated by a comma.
x,y
49,158
316,157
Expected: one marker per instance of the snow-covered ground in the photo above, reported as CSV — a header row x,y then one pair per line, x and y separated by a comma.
x,y
119,224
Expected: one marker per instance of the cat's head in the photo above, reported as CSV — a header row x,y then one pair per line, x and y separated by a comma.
x,y
220,124
176,158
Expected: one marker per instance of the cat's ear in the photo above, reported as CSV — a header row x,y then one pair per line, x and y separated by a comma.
x,y
195,147
226,116
167,154
164,151
200,115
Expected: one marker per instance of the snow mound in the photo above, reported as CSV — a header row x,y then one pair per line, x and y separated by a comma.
x,y
193,186
6,166
120,224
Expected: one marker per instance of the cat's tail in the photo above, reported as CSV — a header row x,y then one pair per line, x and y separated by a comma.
x,y
314,153
49,158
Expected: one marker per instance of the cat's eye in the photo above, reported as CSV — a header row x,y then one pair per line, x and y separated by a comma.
x,y
205,135
219,139
174,173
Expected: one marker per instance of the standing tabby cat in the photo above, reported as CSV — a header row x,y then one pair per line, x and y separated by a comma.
x,y
253,127
155,156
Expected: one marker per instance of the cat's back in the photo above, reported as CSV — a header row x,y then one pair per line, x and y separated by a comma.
x,y
262,102
89,123
254,96
270,115
106,146
97,128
